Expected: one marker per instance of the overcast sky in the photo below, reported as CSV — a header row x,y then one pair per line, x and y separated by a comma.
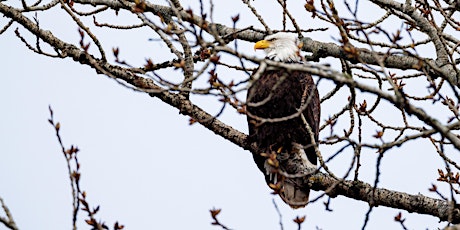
x,y
141,160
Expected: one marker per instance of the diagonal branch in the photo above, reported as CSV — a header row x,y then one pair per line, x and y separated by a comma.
x,y
8,221
359,190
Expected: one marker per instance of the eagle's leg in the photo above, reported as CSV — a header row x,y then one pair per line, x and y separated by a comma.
x,y
305,165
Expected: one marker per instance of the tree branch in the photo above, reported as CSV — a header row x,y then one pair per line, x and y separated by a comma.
x,y
8,221
359,190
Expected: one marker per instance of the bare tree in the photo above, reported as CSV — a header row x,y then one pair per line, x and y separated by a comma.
x,y
390,78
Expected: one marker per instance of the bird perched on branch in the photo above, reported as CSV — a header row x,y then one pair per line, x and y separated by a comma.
x,y
283,111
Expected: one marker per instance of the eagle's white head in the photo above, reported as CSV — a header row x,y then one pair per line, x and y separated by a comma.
x,y
281,46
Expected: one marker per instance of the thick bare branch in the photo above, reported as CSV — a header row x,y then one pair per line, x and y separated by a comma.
x,y
365,192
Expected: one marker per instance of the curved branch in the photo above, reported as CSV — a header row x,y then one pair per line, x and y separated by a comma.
x,y
428,28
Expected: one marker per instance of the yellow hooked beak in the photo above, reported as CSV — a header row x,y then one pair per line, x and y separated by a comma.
x,y
262,44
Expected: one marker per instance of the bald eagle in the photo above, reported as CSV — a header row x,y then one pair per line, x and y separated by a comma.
x,y
282,138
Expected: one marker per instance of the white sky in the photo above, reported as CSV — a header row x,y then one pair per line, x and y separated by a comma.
x,y
141,161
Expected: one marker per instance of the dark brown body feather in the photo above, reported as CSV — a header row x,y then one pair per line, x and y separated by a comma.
x,y
278,94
